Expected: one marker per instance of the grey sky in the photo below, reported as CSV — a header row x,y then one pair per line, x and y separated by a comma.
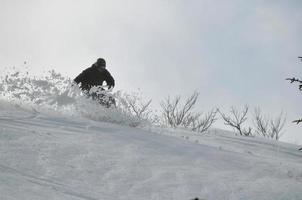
x,y
233,52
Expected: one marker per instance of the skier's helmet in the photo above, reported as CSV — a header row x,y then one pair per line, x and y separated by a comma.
x,y
101,62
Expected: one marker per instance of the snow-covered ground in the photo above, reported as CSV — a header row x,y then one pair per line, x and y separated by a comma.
x,y
55,144
53,156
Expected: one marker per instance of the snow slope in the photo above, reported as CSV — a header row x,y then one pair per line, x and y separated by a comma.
x,y
54,144
52,156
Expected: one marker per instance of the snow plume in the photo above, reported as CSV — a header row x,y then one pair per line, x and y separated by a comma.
x,y
54,93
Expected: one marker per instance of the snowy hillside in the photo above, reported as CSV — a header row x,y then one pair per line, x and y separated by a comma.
x,y
52,156
56,144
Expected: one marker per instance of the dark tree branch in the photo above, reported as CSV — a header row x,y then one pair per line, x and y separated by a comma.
x,y
261,123
297,121
292,80
176,114
236,120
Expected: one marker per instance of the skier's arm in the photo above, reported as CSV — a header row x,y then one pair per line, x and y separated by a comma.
x,y
78,78
82,76
109,80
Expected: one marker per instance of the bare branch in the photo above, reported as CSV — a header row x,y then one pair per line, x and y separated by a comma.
x,y
269,128
134,105
297,121
277,125
203,124
174,113
261,123
236,120
177,115
292,80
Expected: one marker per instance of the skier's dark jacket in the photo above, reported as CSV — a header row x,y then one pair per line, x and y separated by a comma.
x,y
94,76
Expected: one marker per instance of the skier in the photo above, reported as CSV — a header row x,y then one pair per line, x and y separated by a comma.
x,y
95,76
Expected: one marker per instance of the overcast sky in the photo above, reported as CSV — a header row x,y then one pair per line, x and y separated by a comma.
x,y
233,52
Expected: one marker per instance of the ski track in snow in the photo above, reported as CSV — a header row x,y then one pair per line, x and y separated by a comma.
x,y
48,156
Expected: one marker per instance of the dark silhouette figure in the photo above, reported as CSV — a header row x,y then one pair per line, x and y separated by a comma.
x,y
95,76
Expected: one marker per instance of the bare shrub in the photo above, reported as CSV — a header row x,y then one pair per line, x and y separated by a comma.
x,y
176,114
134,105
261,123
236,120
203,123
276,125
266,127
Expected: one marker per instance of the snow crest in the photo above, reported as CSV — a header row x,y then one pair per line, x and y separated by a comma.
x,y
54,93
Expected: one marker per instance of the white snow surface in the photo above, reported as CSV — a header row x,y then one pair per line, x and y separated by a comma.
x,y
58,147
52,156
